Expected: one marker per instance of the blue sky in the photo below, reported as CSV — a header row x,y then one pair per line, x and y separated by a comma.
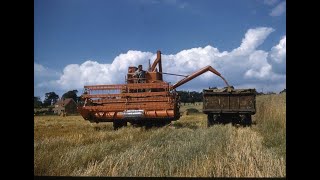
x,y
72,36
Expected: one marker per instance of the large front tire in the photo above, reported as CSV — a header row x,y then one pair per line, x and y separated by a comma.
x,y
119,124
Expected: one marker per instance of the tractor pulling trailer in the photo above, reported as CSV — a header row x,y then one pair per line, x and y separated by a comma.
x,y
150,101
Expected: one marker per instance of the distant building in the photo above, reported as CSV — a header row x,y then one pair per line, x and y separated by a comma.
x,y
65,106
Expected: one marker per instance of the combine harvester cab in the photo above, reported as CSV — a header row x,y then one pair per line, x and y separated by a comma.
x,y
148,101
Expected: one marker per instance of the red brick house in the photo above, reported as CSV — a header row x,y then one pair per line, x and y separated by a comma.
x,y
68,106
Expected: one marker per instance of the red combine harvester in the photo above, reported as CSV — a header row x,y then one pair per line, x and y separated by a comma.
x,y
148,101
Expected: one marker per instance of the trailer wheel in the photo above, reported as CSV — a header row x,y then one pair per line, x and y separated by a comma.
x,y
209,120
248,120
213,119
226,118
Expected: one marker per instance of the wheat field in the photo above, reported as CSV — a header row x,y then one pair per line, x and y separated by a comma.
x,y
71,146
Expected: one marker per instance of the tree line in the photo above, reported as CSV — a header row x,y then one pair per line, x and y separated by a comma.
x,y
190,97
51,98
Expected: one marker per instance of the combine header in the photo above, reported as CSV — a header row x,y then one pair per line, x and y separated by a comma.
x,y
147,101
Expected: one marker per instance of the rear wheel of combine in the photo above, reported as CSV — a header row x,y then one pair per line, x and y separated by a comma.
x,y
161,123
148,124
119,124
136,123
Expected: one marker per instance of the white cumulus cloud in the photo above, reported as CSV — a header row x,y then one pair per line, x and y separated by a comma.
x,y
44,80
43,72
244,67
279,9
253,39
92,72
277,57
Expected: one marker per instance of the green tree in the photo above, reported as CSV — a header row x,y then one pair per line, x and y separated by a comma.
x,y
71,94
190,97
50,99
37,103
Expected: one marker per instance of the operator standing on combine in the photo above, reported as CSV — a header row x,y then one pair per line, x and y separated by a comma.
x,y
140,74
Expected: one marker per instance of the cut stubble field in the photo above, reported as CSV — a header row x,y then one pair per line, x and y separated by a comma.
x,y
71,146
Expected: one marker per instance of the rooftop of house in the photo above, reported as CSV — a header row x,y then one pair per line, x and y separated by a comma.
x,y
64,102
